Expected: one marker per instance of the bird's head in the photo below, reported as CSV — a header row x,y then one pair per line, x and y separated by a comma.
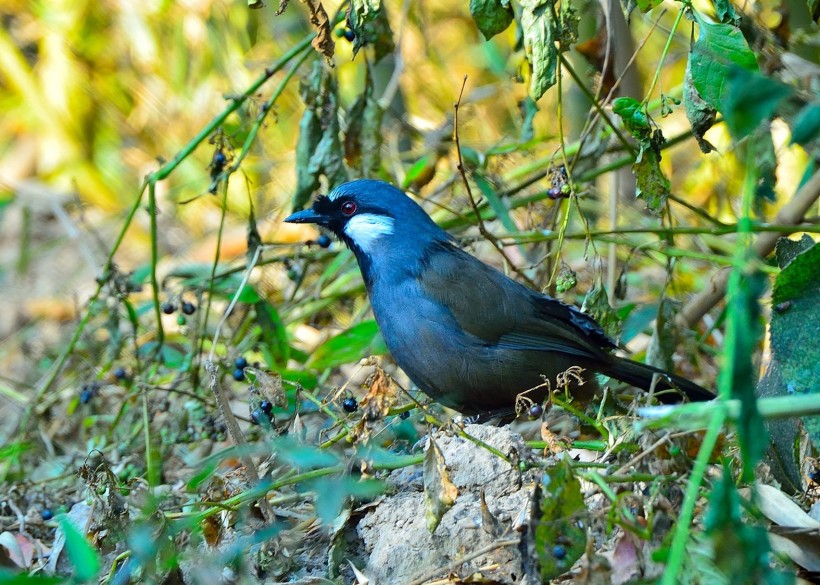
x,y
372,218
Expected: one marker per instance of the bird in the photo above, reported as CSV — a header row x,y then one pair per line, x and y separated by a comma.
x,y
466,334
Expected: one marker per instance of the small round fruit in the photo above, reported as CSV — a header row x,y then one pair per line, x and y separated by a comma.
x,y
349,35
239,374
559,551
266,406
240,362
350,405
168,308
86,394
120,373
46,514
405,415
181,320
324,241
259,417
188,308
536,410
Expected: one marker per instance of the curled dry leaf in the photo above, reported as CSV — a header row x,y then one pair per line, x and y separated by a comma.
x,y
380,396
439,492
323,42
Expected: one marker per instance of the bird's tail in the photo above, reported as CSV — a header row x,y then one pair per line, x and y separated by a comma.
x,y
669,386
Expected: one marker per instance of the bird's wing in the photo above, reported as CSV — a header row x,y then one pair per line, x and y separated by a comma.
x,y
504,313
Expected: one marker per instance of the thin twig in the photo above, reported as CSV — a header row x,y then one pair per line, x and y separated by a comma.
x,y
480,222
238,437
455,564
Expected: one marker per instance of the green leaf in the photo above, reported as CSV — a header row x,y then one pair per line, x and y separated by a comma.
x,y
349,346
543,36
421,171
303,456
765,160
719,48
82,555
363,135
806,126
634,116
529,109
227,287
796,311
12,578
560,521
651,184
491,16
489,193
368,21
318,149
750,99
331,493
726,12
647,5
596,305
201,476
700,115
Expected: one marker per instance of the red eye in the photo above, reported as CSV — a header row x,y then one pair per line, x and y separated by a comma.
x,y
348,208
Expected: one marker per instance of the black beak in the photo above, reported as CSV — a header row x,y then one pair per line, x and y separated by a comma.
x,y
307,216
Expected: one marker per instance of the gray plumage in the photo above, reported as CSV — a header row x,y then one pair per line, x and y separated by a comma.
x,y
466,334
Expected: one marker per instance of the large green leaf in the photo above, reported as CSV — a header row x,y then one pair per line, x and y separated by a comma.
x,y
719,48
560,521
794,328
349,346
491,16
545,36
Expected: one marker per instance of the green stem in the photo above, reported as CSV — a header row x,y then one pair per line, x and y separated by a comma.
x,y
677,550
236,101
665,52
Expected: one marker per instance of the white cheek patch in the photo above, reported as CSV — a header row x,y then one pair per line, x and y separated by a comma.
x,y
365,230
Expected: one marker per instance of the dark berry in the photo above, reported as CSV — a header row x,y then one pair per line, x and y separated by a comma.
x,y
86,394
559,552
350,405
181,320
240,362
536,410
349,35
554,193
259,417
266,406
219,160
168,307
815,476
324,241
188,308
239,374
46,514
120,373
405,415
